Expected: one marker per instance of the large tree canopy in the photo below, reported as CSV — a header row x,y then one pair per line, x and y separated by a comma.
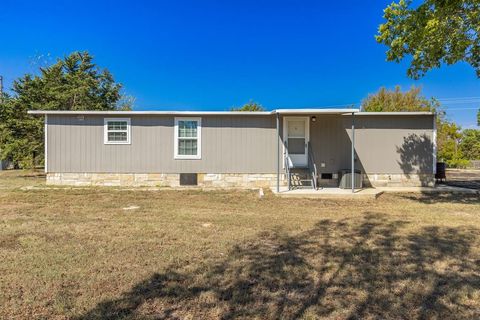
x,y
432,33
448,133
72,83
396,100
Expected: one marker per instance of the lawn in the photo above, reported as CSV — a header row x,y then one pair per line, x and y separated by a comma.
x,y
103,253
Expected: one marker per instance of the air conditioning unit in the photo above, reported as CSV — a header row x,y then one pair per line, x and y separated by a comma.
x,y
345,179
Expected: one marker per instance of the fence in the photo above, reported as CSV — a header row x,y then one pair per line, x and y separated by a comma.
x,y
474,164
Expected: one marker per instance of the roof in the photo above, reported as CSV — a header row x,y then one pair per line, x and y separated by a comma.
x,y
243,113
341,111
119,113
404,113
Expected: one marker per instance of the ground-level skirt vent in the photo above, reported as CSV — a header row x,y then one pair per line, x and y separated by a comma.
x,y
188,179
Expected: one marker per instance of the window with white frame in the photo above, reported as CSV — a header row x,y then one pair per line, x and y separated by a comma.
x,y
116,130
188,138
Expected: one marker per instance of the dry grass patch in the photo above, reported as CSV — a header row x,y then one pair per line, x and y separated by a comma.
x,y
228,254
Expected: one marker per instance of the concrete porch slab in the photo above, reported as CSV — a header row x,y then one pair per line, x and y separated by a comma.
x,y
437,189
328,193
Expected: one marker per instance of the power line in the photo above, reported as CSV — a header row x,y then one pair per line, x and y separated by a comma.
x,y
458,98
474,108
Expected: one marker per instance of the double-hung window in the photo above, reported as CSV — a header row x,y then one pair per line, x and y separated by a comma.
x,y
188,135
116,130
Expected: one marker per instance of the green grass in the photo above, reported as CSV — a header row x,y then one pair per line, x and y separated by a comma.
x,y
76,253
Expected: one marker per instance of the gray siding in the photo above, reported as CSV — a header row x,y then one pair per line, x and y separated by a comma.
x,y
230,144
394,144
383,144
241,144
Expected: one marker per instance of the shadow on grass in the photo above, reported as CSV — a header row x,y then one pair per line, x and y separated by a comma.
x,y
349,269
451,197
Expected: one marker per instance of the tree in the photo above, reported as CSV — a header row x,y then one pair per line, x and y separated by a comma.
x,y
448,133
250,106
478,117
433,33
448,139
72,83
395,100
21,136
470,144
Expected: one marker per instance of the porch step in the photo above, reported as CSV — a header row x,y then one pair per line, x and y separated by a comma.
x,y
301,178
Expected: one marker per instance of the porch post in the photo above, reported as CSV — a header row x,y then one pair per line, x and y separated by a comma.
x,y
278,151
353,152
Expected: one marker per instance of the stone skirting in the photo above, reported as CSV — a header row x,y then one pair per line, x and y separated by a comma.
x,y
219,180
398,180
224,180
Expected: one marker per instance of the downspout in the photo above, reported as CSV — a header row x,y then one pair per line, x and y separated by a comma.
x,y
353,152
278,151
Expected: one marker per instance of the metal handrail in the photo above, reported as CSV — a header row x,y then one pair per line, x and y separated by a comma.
x,y
287,166
312,166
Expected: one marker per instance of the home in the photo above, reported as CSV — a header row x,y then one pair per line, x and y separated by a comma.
x,y
294,148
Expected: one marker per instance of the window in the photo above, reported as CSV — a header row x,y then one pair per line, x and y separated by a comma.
x,y
116,131
188,138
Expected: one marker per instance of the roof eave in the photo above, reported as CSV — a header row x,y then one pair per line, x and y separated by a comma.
x,y
243,113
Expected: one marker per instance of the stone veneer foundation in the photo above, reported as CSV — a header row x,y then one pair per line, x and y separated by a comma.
x,y
223,180
220,180
399,180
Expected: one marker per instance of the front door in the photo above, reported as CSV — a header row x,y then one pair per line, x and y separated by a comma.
x,y
296,131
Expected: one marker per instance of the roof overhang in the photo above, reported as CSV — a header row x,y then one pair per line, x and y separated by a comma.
x,y
123,113
243,113
312,111
404,113
316,111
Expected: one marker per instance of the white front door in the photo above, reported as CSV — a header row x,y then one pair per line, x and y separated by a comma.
x,y
296,133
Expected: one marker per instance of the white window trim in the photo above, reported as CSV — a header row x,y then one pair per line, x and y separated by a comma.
x,y
199,138
105,131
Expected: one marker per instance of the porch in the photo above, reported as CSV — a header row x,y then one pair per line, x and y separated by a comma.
x,y
328,193
316,152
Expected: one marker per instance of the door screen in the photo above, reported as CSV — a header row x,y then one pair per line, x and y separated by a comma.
x,y
296,137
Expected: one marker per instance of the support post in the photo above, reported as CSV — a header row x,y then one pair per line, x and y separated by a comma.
x,y
278,151
353,152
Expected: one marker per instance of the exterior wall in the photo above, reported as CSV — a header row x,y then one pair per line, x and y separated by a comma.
x,y
238,150
394,144
219,180
389,150
230,144
383,144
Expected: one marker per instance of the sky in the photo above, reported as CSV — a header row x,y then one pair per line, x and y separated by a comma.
x,y
213,55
